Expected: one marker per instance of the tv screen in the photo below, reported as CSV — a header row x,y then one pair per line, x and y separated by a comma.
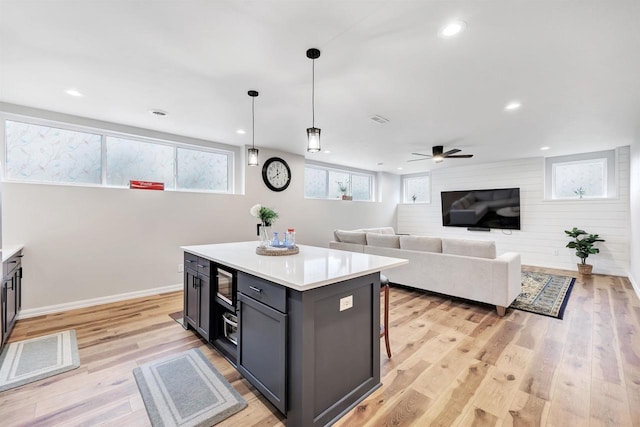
x,y
498,208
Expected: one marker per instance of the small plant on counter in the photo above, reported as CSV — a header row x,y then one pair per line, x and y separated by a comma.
x,y
266,215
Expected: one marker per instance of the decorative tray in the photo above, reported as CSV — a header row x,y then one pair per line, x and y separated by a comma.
x,y
277,251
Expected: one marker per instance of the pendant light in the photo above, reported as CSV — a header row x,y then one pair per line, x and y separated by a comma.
x,y
313,133
253,151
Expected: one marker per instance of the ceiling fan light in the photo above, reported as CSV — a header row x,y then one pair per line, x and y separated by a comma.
x,y
252,155
313,140
438,159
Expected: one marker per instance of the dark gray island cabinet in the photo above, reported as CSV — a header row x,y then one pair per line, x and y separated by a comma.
x,y
11,291
307,325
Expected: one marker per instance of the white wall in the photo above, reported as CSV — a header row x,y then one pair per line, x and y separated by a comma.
x,y
542,222
86,242
634,168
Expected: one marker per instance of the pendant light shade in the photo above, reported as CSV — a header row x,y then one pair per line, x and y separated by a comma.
x,y
313,140
313,133
252,153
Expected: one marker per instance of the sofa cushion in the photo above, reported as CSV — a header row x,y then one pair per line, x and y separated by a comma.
x,y
383,240
474,248
379,230
421,243
345,236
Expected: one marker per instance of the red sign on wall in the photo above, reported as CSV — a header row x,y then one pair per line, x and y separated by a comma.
x,y
146,185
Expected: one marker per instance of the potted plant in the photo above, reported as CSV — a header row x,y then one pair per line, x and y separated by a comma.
x,y
414,197
344,188
584,247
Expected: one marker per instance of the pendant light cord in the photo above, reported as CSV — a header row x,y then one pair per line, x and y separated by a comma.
x,y
253,123
313,93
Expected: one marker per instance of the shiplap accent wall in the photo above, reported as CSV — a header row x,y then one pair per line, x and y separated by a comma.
x,y
543,222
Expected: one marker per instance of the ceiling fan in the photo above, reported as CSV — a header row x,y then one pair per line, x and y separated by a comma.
x,y
438,154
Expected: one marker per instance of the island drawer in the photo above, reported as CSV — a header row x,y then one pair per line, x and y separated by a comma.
x,y
194,262
271,294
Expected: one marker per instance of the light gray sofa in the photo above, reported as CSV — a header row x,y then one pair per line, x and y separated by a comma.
x,y
462,268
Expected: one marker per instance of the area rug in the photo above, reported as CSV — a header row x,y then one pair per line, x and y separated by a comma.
x,y
186,390
543,293
26,361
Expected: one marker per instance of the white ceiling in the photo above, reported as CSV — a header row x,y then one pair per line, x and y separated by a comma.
x,y
574,65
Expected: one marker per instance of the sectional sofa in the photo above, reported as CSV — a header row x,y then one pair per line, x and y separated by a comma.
x,y
462,268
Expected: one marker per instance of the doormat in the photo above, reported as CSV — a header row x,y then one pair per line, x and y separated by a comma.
x,y
178,317
545,294
186,390
26,361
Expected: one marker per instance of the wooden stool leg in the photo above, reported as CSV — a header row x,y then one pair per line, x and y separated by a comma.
x,y
386,320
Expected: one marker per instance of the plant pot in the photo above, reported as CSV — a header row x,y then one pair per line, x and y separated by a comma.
x,y
585,268
345,197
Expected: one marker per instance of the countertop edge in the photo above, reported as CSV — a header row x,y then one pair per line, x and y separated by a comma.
x,y
10,251
398,262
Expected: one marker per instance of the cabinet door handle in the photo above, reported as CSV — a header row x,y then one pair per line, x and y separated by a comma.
x,y
201,266
253,288
189,261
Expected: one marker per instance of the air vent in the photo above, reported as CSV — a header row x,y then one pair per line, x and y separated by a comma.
x,y
379,119
158,113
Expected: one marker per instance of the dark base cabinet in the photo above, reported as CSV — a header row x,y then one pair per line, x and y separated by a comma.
x,y
11,295
311,359
197,294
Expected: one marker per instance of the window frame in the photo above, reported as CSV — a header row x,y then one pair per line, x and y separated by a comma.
x,y
104,134
405,196
341,169
607,157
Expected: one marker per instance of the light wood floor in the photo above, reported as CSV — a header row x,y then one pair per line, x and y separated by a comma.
x,y
454,364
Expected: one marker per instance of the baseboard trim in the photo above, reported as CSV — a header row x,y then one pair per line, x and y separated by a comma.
x,y
50,309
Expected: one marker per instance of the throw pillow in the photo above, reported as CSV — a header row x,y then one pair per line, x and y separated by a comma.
x,y
344,236
475,248
421,243
383,240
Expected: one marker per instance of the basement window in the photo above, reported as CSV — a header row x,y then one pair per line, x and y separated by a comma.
x,y
326,182
416,188
42,151
580,176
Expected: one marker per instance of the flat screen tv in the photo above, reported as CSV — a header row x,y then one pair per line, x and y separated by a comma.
x,y
497,208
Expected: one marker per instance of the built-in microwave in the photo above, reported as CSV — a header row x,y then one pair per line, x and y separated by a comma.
x,y
226,288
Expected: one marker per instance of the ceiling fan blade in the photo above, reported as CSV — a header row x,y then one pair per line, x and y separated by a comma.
x,y
461,156
419,154
417,160
450,152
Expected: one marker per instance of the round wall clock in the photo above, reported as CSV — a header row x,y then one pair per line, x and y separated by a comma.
x,y
276,174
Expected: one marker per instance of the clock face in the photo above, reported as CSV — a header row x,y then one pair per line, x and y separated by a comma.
x,y
276,174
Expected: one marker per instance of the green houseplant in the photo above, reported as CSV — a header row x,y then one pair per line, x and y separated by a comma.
x,y
584,247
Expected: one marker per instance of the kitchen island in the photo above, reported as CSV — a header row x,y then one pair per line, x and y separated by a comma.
x,y
308,324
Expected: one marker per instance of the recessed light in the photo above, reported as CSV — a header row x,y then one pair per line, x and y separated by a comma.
x,y
453,29
241,131
327,151
544,148
513,105
73,92
158,113
400,169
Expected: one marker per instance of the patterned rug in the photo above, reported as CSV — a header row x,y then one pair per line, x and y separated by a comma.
x,y
186,390
26,361
543,293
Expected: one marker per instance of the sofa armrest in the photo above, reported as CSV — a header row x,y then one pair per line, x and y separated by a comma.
x,y
513,272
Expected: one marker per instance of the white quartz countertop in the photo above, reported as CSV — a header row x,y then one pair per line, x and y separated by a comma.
x,y
8,252
311,268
